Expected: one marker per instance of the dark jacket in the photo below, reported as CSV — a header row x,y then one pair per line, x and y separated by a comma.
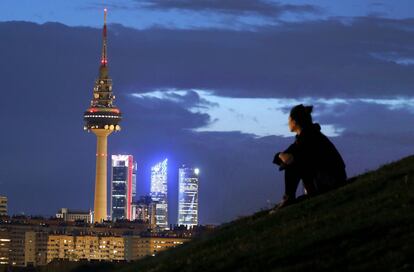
x,y
315,155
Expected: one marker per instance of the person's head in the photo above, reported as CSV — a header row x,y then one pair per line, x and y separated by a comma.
x,y
300,117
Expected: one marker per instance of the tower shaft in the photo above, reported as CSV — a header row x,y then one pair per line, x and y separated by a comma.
x,y
100,201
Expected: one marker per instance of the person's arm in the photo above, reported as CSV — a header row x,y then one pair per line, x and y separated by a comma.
x,y
287,158
276,159
284,158
287,155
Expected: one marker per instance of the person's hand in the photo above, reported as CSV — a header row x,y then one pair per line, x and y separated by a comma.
x,y
286,157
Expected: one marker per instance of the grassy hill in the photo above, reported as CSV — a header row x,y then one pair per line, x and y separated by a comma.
x,y
367,225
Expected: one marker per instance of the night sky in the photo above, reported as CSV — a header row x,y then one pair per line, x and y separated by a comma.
x,y
208,83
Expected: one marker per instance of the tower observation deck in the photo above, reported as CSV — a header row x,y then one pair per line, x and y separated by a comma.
x,y
102,118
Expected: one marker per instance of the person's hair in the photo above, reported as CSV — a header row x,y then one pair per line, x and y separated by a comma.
x,y
302,115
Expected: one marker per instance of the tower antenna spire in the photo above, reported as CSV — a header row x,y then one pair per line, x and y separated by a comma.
x,y
104,59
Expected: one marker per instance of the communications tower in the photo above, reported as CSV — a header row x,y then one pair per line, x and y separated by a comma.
x,y
102,118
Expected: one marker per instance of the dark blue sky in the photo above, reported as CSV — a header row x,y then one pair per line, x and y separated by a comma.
x,y
207,83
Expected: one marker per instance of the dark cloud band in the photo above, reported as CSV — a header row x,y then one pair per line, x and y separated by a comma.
x,y
235,7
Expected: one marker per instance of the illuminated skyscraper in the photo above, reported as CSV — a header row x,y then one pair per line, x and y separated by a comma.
x,y
188,196
134,181
102,118
121,186
159,193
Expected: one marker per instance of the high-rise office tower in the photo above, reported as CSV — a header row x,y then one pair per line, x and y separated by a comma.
x,y
102,118
121,186
134,181
159,193
188,196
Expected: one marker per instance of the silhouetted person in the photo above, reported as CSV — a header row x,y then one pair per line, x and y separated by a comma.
x,y
312,158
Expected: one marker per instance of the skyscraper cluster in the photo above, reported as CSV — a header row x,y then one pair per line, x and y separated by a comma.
x,y
152,209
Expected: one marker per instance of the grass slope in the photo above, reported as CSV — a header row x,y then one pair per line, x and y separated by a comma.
x,y
367,225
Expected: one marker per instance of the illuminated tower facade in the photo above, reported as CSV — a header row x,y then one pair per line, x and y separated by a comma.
x,y
159,193
134,181
102,118
121,186
188,196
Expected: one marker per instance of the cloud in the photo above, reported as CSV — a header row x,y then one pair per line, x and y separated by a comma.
x,y
327,58
394,57
234,7
383,120
112,5
189,99
166,114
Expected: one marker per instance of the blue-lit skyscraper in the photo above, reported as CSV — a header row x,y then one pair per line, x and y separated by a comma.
x,y
188,196
159,193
